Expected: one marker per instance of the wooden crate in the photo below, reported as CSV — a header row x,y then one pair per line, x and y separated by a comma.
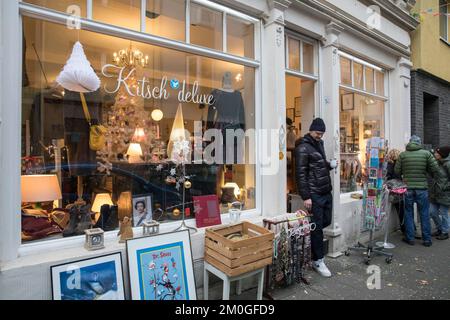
x,y
241,256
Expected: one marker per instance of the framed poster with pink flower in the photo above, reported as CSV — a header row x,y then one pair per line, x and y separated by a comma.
x,y
161,267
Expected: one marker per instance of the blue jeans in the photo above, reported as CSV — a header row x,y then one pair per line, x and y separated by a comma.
x,y
439,213
423,205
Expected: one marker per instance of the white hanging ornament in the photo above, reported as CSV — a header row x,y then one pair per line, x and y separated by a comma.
x,y
78,75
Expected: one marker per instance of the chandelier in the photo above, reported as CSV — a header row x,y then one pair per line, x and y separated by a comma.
x,y
130,58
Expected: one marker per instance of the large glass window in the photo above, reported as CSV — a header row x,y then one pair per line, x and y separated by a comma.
x,y
68,6
142,105
166,18
124,13
346,71
240,37
300,56
362,117
206,27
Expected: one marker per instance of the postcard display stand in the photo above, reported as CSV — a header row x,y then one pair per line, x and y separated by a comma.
x,y
375,199
291,250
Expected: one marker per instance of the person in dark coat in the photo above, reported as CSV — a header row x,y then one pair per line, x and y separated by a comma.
x,y
440,193
313,181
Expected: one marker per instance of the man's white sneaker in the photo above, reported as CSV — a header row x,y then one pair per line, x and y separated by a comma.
x,y
321,268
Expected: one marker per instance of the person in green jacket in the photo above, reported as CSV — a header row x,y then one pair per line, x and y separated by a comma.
x,y
414,165
440,193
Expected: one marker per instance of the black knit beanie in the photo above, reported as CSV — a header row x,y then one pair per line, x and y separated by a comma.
x,y
317,125
443,151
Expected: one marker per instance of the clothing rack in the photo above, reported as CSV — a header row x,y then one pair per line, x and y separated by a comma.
x,y
291,250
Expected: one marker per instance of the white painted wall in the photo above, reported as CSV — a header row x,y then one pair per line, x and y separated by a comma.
x,y
359,11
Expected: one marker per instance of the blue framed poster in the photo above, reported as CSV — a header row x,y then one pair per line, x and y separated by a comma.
x,y
161,267
97,278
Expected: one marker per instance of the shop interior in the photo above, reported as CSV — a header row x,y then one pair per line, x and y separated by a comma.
x,y
132,168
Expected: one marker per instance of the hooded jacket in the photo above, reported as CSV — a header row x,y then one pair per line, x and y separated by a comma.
x,y
440,185
414,164
312,170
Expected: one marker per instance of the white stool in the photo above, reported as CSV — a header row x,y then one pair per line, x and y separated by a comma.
x,y
227,281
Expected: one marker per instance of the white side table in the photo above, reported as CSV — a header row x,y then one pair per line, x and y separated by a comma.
x,y
227,281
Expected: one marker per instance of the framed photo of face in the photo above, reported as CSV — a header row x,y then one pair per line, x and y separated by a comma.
x,y
161,267
142,209
97,278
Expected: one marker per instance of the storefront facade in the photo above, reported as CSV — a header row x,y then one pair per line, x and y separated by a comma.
x,y
281,59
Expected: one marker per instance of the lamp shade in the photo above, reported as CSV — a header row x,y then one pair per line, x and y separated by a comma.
x,y
139,135
40,188
134,153
101,199
134,150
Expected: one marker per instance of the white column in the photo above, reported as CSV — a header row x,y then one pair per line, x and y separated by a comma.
x,y
10,128
330,114
273,174
399,109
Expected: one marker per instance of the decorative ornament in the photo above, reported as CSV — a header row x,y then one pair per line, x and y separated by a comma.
x,y
187,184
78,75
176,212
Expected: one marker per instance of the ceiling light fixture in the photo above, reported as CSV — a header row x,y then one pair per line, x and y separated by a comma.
x,y
130,58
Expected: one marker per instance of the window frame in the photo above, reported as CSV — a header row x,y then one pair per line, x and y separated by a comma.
x,y
49,15
444,8
301,73
385,98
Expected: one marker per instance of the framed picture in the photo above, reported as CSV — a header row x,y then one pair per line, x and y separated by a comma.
x,y
290,113
97,278
345,118
161,267
298,106
347,102
33,165
142,209
207,212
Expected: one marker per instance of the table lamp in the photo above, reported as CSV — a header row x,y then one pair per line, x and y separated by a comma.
x,y
101,199
134,153
40,188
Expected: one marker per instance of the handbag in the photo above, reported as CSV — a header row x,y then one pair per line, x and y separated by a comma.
x,y
96,132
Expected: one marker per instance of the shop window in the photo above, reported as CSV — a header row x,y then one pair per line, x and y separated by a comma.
x,y
370,83
346,71
160,93
308,58
380,83
123,13
240,37
166,18
294,54
358,77
66,6
361,118
206,27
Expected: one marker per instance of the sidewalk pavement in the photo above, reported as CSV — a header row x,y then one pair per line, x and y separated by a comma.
x,y
416,272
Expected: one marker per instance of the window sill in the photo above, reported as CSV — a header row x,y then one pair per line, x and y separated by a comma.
x,y
445,41
55,251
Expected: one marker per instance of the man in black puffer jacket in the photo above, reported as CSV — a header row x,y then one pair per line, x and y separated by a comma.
x,y
314,186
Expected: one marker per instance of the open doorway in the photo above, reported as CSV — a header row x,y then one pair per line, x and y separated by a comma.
x,y
300,103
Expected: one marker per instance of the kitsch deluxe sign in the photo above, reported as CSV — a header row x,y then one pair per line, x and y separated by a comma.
x,y
145,90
